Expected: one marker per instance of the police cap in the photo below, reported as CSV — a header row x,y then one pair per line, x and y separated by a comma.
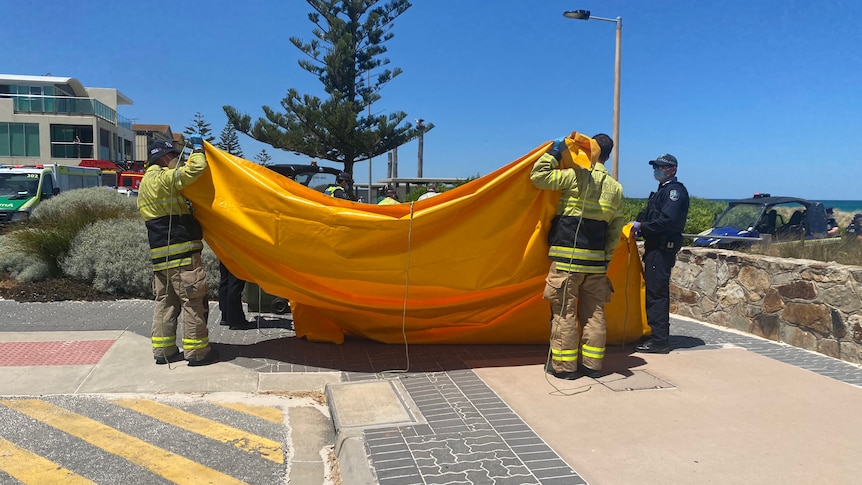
x,y
666,160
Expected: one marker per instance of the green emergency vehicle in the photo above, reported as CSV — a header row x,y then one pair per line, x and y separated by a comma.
x,y
23,187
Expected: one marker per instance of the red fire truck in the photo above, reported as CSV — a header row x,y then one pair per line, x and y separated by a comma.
x,y
123,176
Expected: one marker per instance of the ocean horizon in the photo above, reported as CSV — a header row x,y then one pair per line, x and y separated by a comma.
x,y
848,206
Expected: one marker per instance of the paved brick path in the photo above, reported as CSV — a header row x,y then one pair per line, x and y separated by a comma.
x,y
471,435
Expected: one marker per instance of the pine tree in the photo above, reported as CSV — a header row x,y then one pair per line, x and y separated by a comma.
x,y
199,125
345,57
263,158
229,141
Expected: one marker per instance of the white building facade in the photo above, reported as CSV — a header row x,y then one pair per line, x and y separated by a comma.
x,y
46,119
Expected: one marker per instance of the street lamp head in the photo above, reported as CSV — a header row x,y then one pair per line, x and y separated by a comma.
x,y
577,14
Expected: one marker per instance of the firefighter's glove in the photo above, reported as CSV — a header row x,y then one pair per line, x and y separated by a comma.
x,y
197,141
558,147
636,228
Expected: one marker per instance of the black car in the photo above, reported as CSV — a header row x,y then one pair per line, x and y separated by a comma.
x,y
764,217
314,176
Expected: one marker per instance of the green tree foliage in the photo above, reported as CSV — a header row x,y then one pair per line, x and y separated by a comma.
x,y
201,126
229,141
346,56
263,157
701,212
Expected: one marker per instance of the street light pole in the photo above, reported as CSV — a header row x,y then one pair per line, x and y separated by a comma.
x,y
420,125
585,15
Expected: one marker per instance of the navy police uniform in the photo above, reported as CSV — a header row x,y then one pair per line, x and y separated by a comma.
x,y
661,225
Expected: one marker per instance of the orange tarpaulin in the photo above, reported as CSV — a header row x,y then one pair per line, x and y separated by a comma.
x,y
466,266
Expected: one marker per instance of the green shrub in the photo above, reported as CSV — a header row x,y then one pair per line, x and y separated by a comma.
x,y
701,212
18,264
47,236
84,206
113,256
210,264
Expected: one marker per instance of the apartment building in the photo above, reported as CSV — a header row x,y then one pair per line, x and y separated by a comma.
x,y
47,119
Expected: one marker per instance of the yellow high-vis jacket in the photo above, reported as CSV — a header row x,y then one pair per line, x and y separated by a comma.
x,y
589,219
173,232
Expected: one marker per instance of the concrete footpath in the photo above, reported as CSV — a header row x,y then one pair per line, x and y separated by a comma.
x,y
722,407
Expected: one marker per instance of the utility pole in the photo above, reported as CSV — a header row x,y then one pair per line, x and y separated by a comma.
x,y
420,125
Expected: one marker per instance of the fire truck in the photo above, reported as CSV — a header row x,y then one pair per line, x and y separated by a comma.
x,y
125,177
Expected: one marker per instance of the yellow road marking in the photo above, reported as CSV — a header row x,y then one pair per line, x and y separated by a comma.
x,y
249,442
173,467
31,469
268,413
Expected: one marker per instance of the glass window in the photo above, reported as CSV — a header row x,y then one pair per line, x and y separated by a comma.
x,y
31,137
16,136
71,141
5,148
47,187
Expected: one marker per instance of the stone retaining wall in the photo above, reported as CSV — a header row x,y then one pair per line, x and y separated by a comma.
x,y
808,304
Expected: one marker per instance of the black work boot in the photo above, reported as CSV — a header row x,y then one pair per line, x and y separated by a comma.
x,y
591,373
162,360
569,376
212,357
242,325
653,346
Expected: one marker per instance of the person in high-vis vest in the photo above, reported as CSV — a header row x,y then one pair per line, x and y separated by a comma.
x,y
339,188
391,196
175,237
582,240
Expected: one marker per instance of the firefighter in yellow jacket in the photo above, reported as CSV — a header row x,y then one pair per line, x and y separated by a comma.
x,y
175,237
582,238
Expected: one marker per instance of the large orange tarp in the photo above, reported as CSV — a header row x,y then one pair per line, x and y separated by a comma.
x,y
466,266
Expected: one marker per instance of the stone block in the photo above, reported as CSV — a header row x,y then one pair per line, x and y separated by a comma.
x,y
814,316
800,290
755,281
772,302
797,337
730,295
839,330
682,295
766,326
851,352
829,347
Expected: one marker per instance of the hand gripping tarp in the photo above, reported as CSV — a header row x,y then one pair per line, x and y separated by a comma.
x,y
467,266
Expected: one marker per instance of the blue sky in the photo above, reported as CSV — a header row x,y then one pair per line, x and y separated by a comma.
x,y
750,96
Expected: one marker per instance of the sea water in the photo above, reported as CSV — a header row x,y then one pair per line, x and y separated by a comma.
x,y
845,206
848,206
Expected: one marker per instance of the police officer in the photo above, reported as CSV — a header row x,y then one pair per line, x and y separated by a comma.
x,y
661,225
339,188
582,240
175,238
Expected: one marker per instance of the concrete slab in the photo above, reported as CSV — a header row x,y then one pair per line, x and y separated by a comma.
x,y
733,417
128,367
371,404
295,381
42,380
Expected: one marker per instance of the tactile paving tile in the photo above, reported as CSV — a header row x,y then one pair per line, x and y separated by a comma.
x,y
74,352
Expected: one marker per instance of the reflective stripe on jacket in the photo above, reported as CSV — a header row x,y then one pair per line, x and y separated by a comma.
x,y
174,234
336,191
589,218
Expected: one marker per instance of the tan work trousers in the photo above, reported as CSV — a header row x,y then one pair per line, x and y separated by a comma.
x,y
577,297
181,290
